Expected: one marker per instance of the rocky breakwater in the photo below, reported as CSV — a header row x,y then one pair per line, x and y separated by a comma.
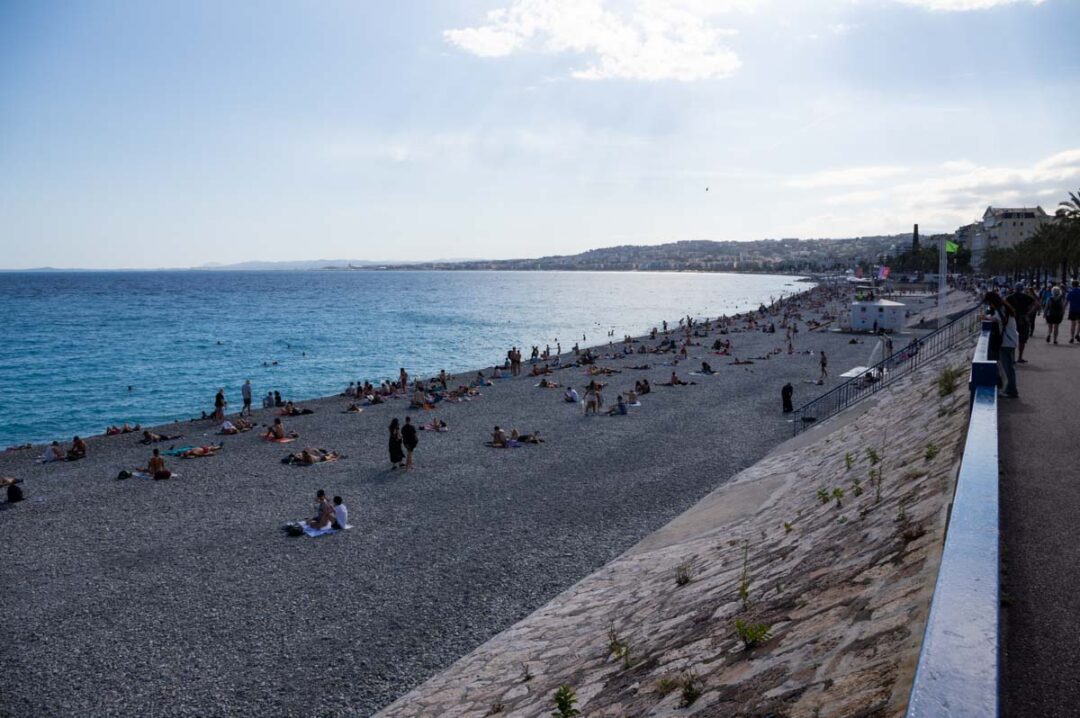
x,y
801,588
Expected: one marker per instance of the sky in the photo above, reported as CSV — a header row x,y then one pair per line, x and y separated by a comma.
x,y
174,134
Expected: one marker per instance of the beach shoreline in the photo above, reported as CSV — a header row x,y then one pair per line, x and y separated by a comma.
x,y
186,593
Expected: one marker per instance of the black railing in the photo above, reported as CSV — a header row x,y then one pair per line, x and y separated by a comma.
x,y
899,364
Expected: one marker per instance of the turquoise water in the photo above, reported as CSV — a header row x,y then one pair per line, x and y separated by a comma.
x,y
73,343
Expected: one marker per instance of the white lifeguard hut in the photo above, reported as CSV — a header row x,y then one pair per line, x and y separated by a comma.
x,y
877,314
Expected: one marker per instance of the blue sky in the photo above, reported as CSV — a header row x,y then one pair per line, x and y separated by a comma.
x,y
161,134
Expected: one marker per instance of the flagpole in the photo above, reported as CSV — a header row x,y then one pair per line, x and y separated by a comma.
x,y
943,268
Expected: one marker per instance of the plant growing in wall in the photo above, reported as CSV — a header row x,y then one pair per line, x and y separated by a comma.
x,y
932,450
838,494
849,460
752,634
565,702
744,578
691,689
684,573
823,495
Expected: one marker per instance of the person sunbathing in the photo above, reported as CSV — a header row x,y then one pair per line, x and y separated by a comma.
x,y
241,425
324,512
546,383
156,466
150,437
310,456
499,439
676,381
354,408
533,438
77,450
739,362
706,368
276,432
198,451
53,452
436,425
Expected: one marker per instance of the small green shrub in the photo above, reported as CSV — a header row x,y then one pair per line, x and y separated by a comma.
x,y
752,634
849,460
684,573
838,494
946,380
856,487
787,527
666,684
691,689
565,700
618,647
496,708
872,455
526,674
932,450
823,495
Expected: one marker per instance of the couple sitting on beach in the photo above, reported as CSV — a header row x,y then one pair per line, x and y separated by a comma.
x,y
335,516
55,452
307,457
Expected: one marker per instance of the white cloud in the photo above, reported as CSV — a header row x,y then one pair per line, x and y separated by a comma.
x,y
941,196
846,177
642,40
965,5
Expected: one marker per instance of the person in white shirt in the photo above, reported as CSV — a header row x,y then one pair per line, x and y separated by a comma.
x,y
571,395
341,514
245,390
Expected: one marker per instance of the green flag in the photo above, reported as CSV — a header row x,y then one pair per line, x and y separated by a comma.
x,y
951,247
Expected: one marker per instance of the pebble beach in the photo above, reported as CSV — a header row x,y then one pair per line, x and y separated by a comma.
x,y
185,597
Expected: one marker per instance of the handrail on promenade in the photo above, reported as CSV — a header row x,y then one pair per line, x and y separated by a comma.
x,y
958,670
889,369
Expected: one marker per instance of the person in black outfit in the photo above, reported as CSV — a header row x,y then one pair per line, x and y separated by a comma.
x,y
409,437
397,454
786,394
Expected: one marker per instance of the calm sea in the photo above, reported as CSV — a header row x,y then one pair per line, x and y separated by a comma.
x,y
73,343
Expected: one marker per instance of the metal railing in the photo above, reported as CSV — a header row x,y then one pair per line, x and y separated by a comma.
x,y
901,363
958,673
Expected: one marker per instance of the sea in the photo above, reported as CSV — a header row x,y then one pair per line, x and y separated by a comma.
x,y
82,350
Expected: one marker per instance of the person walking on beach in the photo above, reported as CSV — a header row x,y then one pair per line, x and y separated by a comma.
x,y
246,392
219,405
785,396
410,439
1002,315
397,454
824,367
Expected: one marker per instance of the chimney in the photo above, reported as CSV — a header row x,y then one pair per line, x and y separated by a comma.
x,y
915,240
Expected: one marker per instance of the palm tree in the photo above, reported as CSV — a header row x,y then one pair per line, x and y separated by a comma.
x,y
1070,208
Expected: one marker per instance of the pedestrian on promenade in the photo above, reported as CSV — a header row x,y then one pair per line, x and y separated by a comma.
x,y
1003,315
397,454
1054,312
1074,312
1023,304
785,395
824,367
246,392
410,439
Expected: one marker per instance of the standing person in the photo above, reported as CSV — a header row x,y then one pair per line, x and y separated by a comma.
x,y
824,366
403,379
1074,312
410,439
1002,314
219,405
1054,312
246,392
1023,304
397,454
785,395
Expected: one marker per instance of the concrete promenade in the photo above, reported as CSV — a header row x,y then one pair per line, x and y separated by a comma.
x,y
1040,514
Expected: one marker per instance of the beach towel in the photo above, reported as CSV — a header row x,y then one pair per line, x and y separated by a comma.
x,y
636,403
329,460
178,451
701,373
510,444
286,440
145,475
315,533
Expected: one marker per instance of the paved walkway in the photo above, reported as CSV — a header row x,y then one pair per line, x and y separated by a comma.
x,y
1040,514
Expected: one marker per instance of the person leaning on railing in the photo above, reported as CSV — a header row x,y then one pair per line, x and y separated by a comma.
x,y
1006,339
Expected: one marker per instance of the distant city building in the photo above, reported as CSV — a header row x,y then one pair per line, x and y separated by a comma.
x,y
1000,228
